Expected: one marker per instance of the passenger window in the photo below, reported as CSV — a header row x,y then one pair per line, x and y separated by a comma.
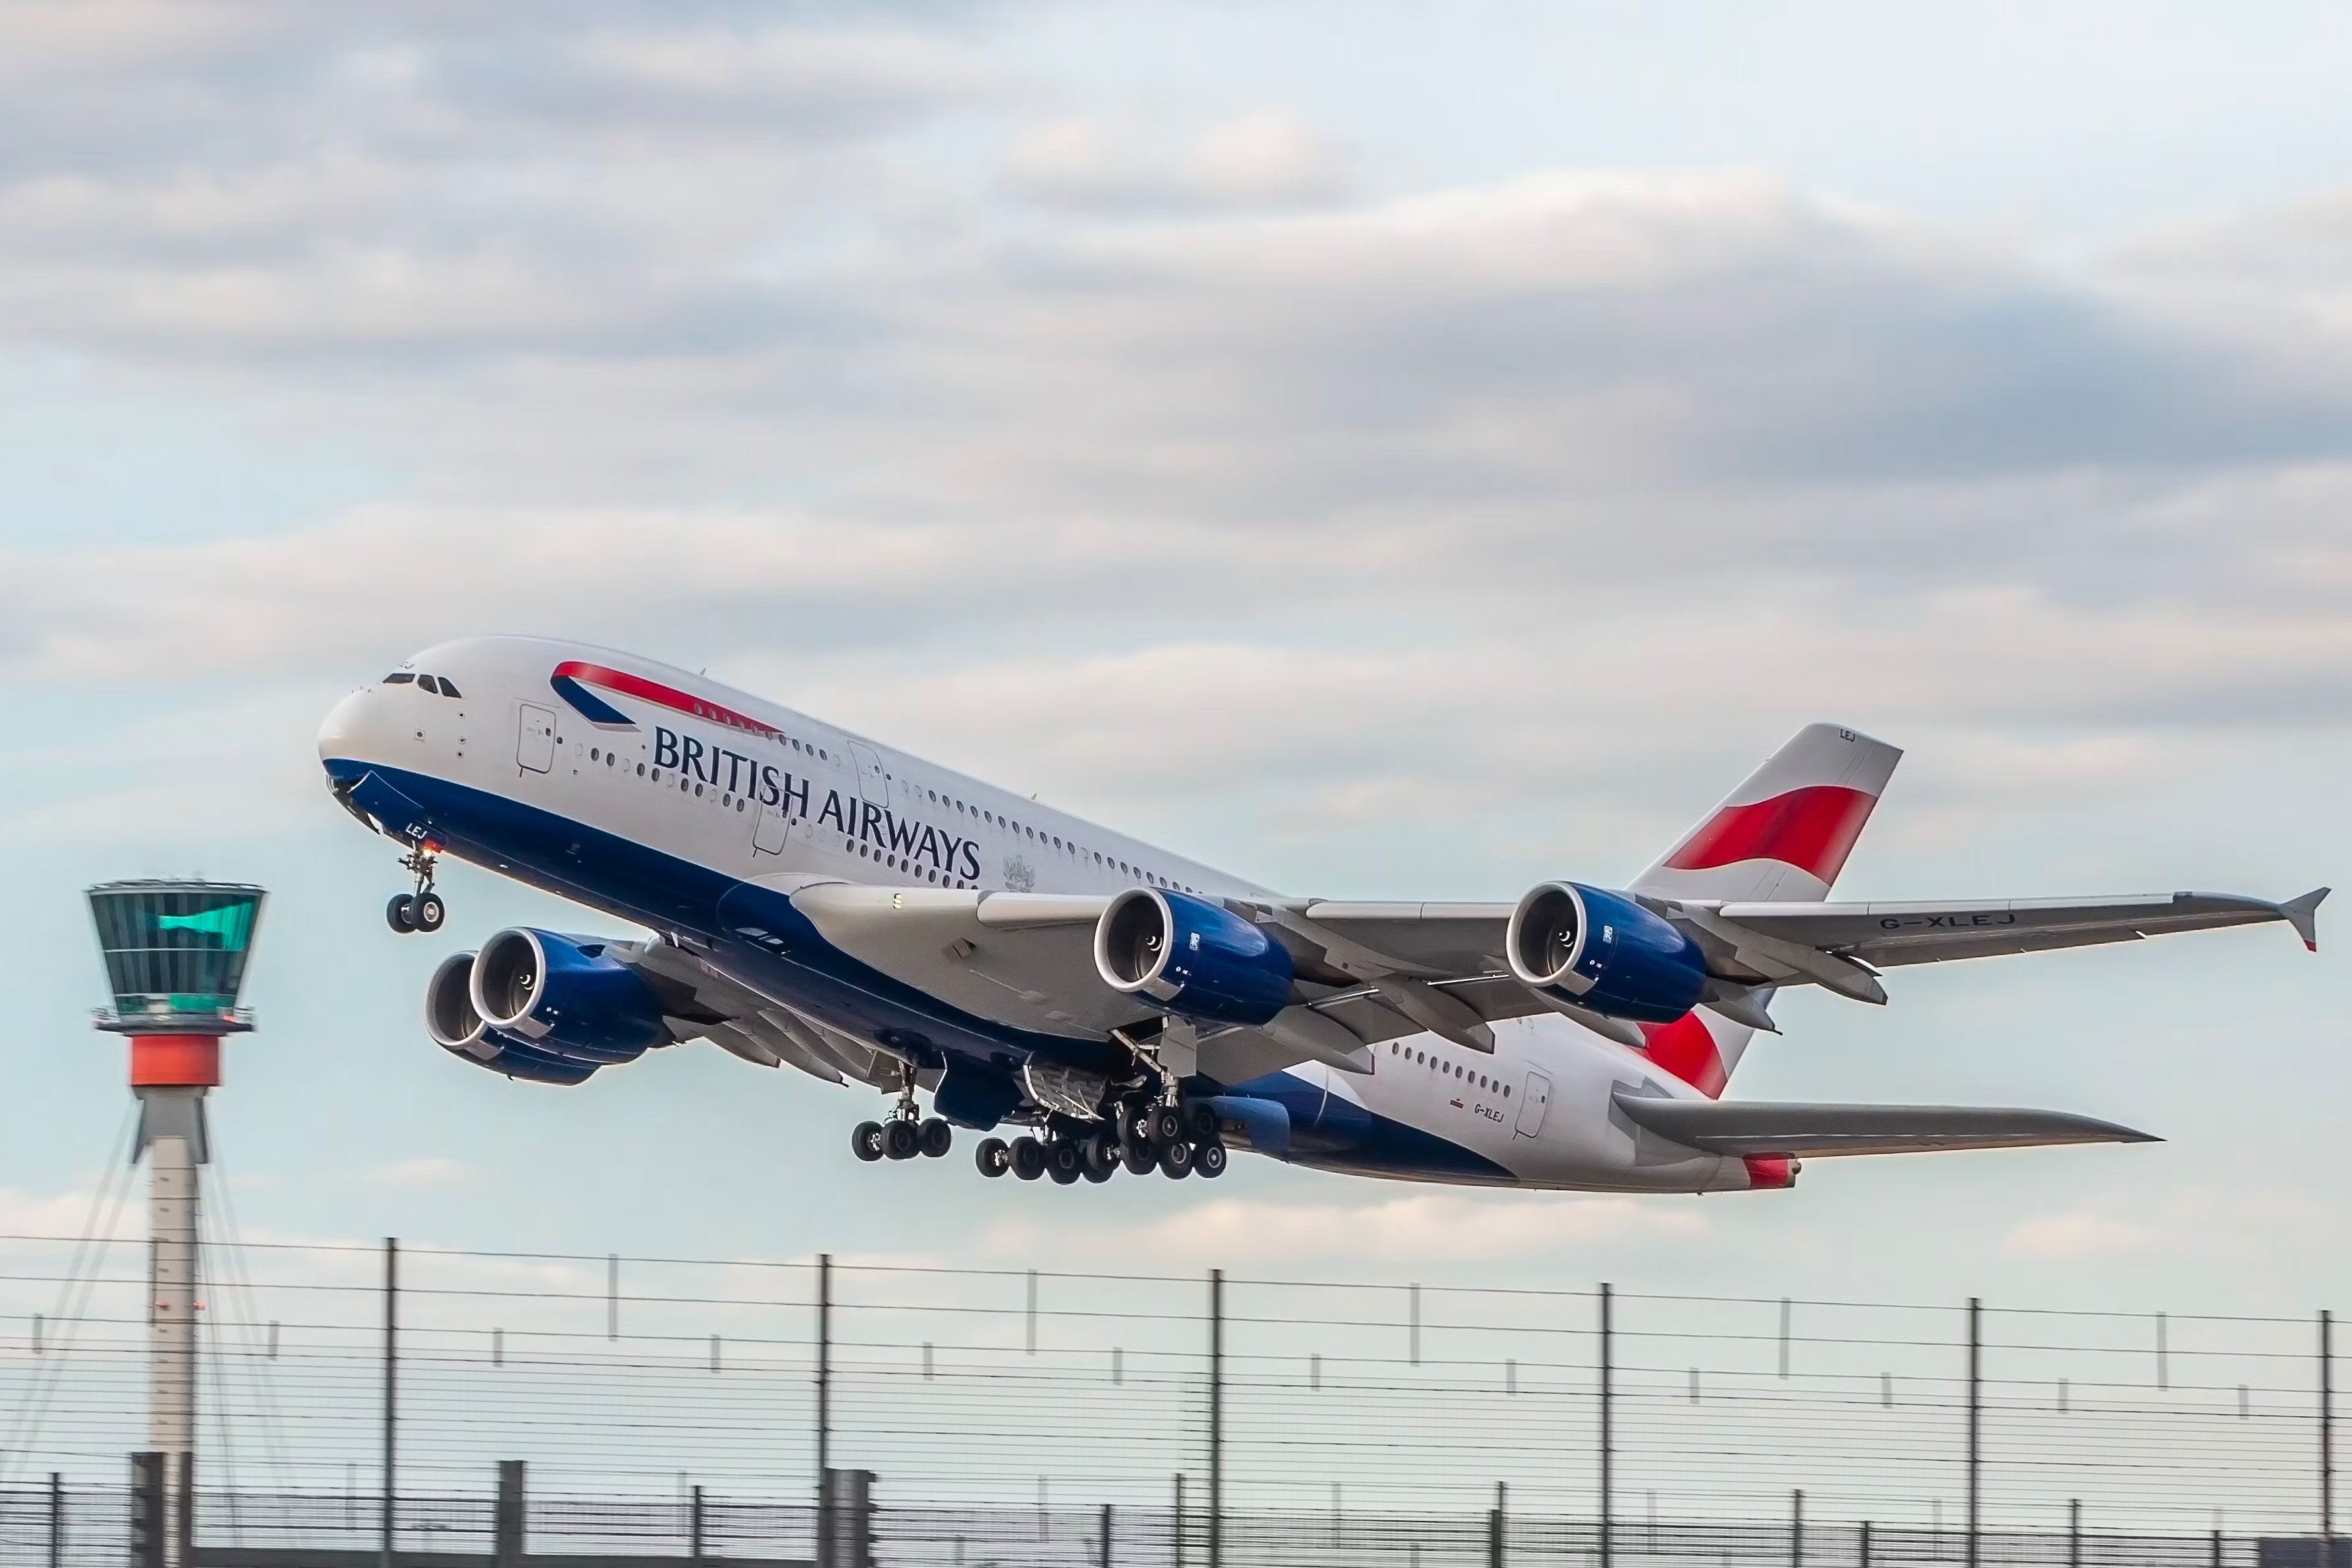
x,y
591,754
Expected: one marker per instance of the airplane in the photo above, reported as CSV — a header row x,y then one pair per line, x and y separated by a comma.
x,y
820,900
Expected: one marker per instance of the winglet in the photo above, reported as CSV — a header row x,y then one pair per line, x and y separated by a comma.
x,y
2302,914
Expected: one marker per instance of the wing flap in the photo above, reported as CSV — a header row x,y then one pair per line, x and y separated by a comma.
x,y
1753,1127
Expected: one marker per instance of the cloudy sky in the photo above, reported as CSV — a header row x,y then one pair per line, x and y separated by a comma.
x,y
1383,451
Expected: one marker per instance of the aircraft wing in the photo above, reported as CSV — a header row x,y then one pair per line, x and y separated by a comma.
x,y
1886,935
1372,972
1747,1127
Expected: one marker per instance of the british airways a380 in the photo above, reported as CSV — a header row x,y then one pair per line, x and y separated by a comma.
x,y
821,902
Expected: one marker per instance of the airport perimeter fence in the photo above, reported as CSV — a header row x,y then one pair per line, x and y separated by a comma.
x,y
1026,1417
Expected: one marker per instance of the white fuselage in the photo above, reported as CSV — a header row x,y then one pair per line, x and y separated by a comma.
x,y
704,784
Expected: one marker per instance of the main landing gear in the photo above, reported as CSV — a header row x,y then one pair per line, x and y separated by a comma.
x,y
1174,1141
423,910
907,1133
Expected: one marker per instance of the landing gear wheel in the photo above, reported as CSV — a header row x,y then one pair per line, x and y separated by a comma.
x,y
1138,1159
401,913
865,1140
1101,1156
1097,1174
1199,1122
901,1142
1136,1126
995,1157
1028,1159
935,1137
1176,1161
1167,1124
426,911
1210,1159
1064,1163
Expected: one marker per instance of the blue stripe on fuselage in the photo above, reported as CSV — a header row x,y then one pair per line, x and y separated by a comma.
x,y
1332,1132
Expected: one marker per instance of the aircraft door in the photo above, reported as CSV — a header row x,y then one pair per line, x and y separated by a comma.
x,y
535,740
871,785
1535,1099
767,830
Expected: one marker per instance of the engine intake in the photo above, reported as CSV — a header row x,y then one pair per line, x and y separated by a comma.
x,y
1605,953
1192,957
566,995
457,1028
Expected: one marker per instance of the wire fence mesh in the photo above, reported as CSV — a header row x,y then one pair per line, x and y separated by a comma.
x,y
1002,1410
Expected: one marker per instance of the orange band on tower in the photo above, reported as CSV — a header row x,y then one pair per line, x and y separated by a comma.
x,y
181,1061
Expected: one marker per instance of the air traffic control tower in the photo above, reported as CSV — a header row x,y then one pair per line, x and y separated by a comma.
x,y
176,954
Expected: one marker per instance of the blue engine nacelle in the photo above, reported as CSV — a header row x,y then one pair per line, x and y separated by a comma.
x,y
456,1027
1603,952
565,996
1192,957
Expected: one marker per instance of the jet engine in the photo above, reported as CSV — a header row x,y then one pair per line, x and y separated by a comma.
x,y
1191,956
1605,953
456,1027
566,995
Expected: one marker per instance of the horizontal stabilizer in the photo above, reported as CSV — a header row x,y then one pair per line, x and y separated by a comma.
x,y
1750,1127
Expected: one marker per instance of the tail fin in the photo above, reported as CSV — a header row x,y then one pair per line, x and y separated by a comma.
x,y
1782,834
1785,833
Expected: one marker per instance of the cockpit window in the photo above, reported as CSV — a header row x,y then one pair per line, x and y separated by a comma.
x,y
448,687
426,683
398,677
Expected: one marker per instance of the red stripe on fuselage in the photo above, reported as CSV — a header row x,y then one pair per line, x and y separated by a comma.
x,y
653,692
1813,829
1686,1050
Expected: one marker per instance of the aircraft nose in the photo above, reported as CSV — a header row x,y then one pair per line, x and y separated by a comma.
x,y
342,737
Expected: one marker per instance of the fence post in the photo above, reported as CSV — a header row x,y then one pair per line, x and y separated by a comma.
x,y
694,1525
1607,1436
1216,1417
824,1554
1495,1527
1864,1555
2328,1439
1104,1559
2073,1533
1176,1525
391,1392
1976,1414
507,1541
1797,1529
57,1520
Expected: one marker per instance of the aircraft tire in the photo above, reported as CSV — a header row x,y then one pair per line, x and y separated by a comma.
x,y
900,1141
865,1140
1210,1159
400,914
1064,1163
1097,1174
937,1137
426,911
1167,1125
1176,1161
1199,1123
1028,1159
1138,1159
995,1157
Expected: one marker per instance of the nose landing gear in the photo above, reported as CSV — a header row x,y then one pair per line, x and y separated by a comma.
x,y
423,910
